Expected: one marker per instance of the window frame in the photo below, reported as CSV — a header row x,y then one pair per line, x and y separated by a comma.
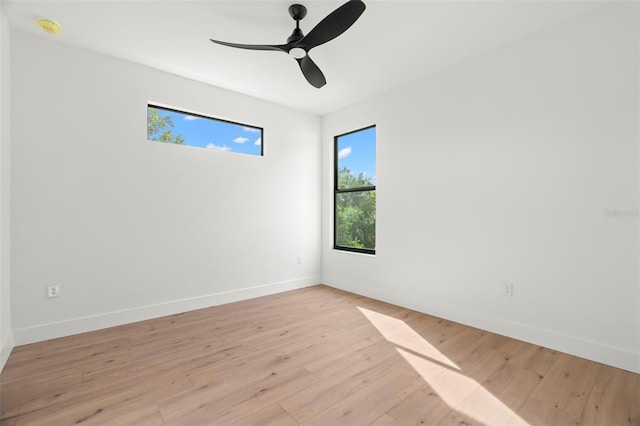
x,y
206,117
337,191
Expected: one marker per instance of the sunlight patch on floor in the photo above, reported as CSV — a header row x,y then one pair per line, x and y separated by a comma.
x,y
398,332
457,390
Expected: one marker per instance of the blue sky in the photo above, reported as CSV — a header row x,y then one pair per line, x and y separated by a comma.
x,y
357,152
213,134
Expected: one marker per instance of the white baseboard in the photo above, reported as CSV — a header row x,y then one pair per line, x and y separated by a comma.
x,y
6,346
38,333
605,354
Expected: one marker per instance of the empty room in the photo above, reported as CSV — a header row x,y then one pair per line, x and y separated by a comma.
x,y
363,212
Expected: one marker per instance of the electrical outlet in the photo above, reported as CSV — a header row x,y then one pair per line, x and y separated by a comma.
x,y
299,260
507,290
53,290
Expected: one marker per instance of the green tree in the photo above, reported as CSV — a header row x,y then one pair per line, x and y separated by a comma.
x,y
159,128
356,211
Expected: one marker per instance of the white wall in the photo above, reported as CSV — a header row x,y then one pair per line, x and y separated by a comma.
x,y
133,229
6,335
500,170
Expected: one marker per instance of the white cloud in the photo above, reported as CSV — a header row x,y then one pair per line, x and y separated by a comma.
x,y
240,139
258,141
250,129
344,153
218,147
191,118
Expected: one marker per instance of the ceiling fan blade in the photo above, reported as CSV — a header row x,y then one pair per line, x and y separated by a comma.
x,y
333,24
311,72
278,48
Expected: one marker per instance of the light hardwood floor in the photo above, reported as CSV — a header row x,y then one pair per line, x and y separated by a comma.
x,y
316,356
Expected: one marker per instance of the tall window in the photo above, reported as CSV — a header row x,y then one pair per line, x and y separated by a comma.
x,y
183,128
355,191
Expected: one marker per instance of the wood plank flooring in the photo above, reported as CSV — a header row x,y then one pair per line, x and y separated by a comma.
x,y
316,356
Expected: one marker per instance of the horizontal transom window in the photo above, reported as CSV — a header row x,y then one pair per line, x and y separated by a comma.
x,y
168,125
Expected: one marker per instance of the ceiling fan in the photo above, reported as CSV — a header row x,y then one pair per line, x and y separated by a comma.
x,y
298,45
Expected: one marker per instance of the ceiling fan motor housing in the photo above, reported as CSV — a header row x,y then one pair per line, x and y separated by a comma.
x,y
296,35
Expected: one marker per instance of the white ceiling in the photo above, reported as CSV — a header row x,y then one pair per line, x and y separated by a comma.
x,y
393,42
